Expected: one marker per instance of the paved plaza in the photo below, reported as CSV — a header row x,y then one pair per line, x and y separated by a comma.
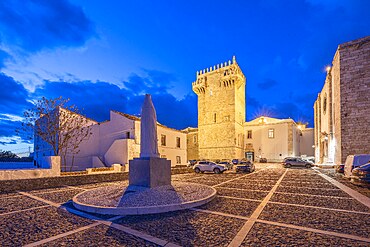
x,y
272,206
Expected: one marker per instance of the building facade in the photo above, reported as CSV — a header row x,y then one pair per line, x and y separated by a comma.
x,y
270,138
275,139
222,132
342,108
117,141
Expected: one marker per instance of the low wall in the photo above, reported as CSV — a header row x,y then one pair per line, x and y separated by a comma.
x,y
52,182
51,161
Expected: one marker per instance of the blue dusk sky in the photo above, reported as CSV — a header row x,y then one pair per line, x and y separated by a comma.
x,y
104,55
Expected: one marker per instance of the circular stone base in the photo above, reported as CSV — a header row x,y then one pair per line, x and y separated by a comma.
x,y
113,200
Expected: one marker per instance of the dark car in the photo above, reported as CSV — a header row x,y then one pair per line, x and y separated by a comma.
x,y
339,168
361,174
245,166
228,164
235,161
263,160
296,162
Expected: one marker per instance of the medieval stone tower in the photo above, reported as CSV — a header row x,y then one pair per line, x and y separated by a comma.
x,y
221,111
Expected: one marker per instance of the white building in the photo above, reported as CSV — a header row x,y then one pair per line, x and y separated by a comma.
x,y
265,137
117,141
275,139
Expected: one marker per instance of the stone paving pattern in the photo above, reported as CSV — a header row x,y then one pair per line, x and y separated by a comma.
x,y
25,220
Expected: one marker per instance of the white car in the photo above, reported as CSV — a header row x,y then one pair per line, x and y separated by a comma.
x,y
208,166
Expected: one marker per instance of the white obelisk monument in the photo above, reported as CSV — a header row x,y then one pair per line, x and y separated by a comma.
x,y
149,170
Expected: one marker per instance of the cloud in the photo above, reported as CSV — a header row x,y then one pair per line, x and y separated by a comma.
x,y
95,99
252,102
267,84
153,82
34,25
13,96
11,140
174,113
3,57
8,128
8,142
98,98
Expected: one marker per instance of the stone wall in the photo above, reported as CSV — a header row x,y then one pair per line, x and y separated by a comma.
x,y
53,182
290,139
192,144
336,115
344,128
48,161
354,95
221,111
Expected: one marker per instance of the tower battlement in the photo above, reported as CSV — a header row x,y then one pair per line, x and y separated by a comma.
x,y
221,111
227,74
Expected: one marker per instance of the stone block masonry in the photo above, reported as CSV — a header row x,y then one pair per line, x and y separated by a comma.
x,y
344,128
355,100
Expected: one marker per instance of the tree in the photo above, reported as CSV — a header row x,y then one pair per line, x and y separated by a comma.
x,y
7,155
58,124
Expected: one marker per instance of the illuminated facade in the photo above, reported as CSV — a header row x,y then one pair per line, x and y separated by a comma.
x,y
222,131
117,141
221,111
342,108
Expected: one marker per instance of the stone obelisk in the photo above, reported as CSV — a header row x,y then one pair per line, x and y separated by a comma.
x,y
149,170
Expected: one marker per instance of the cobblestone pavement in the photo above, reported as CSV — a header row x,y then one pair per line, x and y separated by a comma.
x,y
272,206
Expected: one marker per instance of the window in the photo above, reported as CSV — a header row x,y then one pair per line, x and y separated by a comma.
x,y
163,140
178,142
127,135
271,133
214,117
178,159
324,103
249,134
195,139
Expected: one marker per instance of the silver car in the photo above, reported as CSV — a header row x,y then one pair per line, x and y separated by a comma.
x,y
208,166
297,162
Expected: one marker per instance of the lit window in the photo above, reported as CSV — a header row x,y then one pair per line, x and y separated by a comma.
x,y
163,140
178,160
178,142
271,133
249,134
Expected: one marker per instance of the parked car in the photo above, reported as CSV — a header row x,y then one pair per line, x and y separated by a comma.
x,y
263,160
228,164
235,161
361,174
354,161
296,162
339,168
191,163
245,166
308,158
208,166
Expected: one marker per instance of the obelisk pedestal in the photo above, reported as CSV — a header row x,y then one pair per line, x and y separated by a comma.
x,y
149,170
